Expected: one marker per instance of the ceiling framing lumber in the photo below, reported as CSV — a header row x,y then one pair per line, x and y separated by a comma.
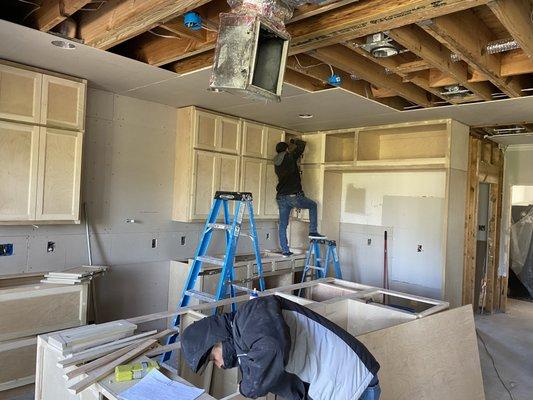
x,y
466,35
343,58
195,63
177,27
412,66
52,12
309,10
429,49
304,81
516,15
119,20
368,16
516,63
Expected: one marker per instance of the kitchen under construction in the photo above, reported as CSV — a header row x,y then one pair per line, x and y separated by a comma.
x,y
266,199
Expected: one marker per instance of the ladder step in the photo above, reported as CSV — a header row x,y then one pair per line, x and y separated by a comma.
x,y
211,260
226,227
317,268
202,296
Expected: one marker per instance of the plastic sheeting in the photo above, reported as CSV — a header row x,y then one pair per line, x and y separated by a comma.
x,y
522,250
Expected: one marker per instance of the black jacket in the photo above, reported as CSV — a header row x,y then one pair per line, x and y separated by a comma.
x,y
285,349
287,170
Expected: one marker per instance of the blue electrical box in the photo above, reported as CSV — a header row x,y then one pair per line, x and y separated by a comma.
x,y
6,249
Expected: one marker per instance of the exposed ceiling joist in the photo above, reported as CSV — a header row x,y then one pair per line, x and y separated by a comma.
x,y
195,63
52,12
309,10
366,17
429,49
516,63
466,35
413,66
342,57
177,27
303,81
119,20
516,15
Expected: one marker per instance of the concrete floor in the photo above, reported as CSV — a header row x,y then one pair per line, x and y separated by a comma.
x,y
509,338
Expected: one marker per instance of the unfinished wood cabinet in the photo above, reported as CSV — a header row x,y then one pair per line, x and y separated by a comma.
x,y
17,362
272,137
253,140
253,174
340,148
20,94
314,148
313,183
63,103
19,149
59,175
271,210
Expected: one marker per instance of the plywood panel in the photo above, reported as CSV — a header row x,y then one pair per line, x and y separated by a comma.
x,y
340,147
314,148
20,94
313,183
19,146
205,131
364,318
63,103
253,141
273,137
432,358
58,187
30,310
230,135
252,180
17,362
271,181
204,183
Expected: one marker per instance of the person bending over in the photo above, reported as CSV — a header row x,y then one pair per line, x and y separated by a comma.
x,y
286,349
289,191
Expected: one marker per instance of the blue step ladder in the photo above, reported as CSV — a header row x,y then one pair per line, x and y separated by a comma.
x,y
320,266
243,201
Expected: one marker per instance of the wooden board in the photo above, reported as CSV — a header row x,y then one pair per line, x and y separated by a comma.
x,y
432,358
17,362
30,310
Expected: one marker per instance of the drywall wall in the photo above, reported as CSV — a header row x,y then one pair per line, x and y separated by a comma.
x,y
518,170
410,206
128,167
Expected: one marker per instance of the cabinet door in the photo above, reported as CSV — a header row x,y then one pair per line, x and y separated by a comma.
x,y
314,148
273,137
228,175
20,94
205,130
58,181
253,141
271,181
19,146
204,183
312,183
230,135
63,103
253,180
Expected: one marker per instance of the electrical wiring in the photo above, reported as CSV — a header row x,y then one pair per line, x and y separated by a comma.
x,y
37,6
308,66
494,365
164,36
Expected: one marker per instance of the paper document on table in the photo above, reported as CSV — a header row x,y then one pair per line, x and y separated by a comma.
x,y
155,385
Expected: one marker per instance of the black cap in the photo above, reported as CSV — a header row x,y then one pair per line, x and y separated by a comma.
x,y
281,147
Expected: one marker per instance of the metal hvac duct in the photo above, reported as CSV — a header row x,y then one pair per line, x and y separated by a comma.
x,y
252,47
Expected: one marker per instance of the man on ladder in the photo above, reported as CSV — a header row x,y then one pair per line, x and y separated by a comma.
x,y
290,193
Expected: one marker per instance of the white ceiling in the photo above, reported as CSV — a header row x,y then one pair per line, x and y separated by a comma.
x,y
332,109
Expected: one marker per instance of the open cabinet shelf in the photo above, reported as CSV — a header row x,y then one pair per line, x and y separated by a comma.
x,y
340,147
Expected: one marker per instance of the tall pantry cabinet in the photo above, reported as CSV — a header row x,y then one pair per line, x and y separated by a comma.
x,y
218,152
41,137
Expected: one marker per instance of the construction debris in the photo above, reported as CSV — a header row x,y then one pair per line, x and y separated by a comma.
x,y
75,276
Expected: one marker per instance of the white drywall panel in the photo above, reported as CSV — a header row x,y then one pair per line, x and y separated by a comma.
x,y
522,195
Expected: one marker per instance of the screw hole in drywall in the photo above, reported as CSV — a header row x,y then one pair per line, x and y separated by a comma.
x,y
154,243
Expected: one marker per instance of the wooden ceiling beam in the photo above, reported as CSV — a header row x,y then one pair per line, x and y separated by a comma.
x,y
368,16
119,20
316,69
412,66
516,62
52,12
429,49
177,27
309,10
343,58
467,36
195,63
304,81
516,15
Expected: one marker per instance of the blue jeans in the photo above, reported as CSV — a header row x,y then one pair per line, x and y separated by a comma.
x,y
286,204
372,392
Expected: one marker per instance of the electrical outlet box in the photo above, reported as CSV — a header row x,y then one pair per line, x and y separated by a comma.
x,y
6,249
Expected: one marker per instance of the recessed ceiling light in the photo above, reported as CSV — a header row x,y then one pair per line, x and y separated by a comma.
x,y
305,116
63,44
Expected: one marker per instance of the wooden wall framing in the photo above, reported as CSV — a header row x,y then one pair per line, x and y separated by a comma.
x,y
485,166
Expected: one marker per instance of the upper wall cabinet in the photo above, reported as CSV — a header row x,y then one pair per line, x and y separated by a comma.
x,y
20,94
260,140
41,138
213,132
63,103
19,149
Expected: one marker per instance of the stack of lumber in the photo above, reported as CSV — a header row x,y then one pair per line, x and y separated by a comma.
x,y
74,276
28,310
72,360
